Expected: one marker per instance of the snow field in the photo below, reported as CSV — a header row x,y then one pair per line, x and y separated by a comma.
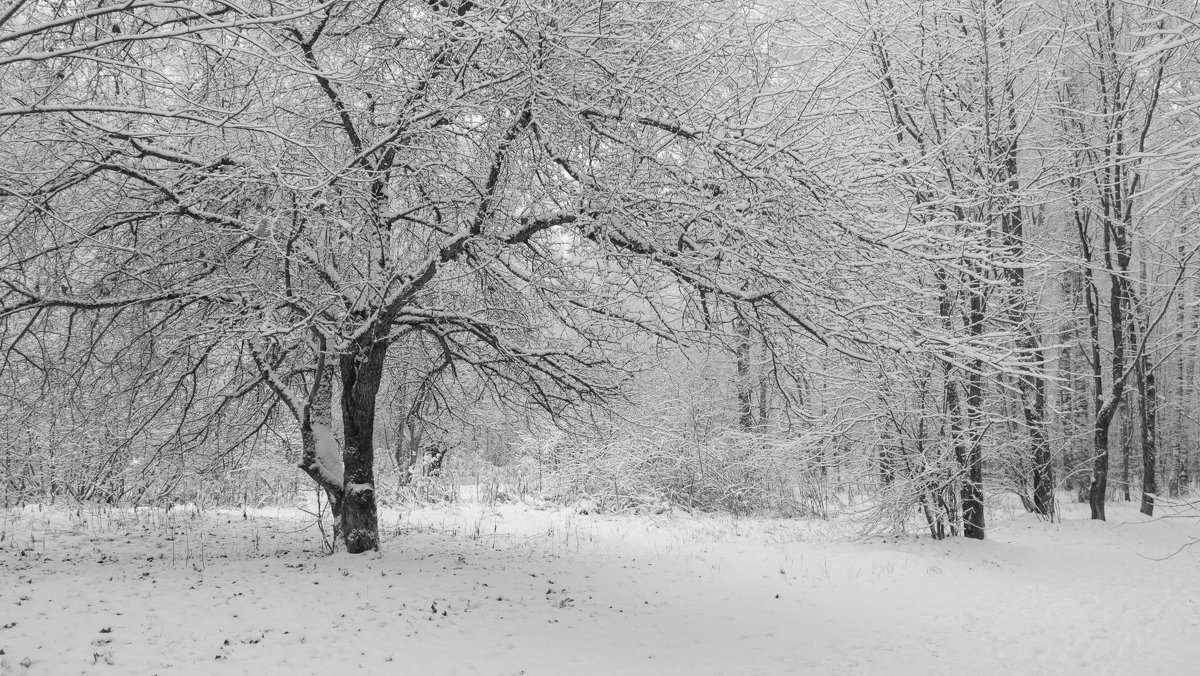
x,y
518,590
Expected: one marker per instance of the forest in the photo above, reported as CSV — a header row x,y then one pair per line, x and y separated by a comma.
x,y
599,336
763,258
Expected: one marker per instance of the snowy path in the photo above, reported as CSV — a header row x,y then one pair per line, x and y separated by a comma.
x,y
512,590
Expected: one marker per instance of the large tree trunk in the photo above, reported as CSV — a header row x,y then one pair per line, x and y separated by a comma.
x,y
361,371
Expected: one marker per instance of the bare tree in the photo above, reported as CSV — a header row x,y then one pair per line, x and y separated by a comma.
x,y
331,178
1111,107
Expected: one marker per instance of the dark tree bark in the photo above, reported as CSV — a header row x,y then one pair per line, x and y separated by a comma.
x,y
361,372
974,524
1147,398
1106,408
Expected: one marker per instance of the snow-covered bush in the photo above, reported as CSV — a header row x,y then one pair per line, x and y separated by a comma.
x,y
733,472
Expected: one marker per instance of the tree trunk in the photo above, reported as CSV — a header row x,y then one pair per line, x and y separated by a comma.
x,y
408,449
362,372
1148,393
1126,451
1179,440
764,401
1188,459
962,431
321,458
1099,472
1099,480
972,488
1043,461
745,388
1105,409
1033,399
1105,412
1116,260
1072,402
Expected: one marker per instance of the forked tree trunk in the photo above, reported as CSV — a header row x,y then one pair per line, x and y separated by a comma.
x,y
1116,260
1106,409
1105,413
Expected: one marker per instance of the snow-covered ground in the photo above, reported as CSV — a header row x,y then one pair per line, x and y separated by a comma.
x,y
518,590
